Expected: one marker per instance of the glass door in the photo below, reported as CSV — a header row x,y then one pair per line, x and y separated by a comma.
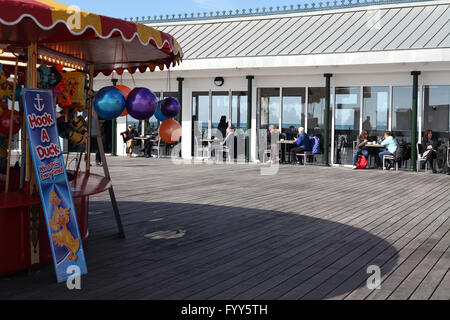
x,y
346,123
375,111
293,111
220,110
436,111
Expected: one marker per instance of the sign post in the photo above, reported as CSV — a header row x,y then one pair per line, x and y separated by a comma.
x,y
54,187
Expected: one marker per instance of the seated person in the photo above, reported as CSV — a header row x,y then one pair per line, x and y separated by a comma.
x,y
391,145
227,143
149,145
430,145
273,130
303,144
361,142
128,138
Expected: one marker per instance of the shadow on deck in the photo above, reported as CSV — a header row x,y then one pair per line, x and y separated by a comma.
x,y
213,252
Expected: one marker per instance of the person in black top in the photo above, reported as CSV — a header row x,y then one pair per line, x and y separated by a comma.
x,y
430,145
128,138
149,145
222,127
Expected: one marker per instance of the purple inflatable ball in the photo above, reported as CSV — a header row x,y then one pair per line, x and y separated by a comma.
x,y
170,107
141,103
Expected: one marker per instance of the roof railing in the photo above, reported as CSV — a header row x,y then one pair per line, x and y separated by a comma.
x,y
224,14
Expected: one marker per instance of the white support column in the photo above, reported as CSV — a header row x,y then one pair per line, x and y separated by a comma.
x,y
361,108
420,112
306,109
253,136
186,144
280,118
391,99
333,108
121,127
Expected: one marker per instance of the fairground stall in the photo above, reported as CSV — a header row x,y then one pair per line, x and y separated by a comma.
x,y
48,45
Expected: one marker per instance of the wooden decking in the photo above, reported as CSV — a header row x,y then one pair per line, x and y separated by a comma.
x,y
228,232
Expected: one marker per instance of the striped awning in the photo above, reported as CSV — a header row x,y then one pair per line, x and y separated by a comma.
x,y
108,43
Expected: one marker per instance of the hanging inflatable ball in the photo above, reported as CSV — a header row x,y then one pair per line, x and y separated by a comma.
x,y
170,131
141,104
125,91
170,107
109,103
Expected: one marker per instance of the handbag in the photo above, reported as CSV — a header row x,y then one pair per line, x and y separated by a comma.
x,y
362,162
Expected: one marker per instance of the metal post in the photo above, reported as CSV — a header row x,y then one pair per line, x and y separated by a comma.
x,y
415,102
114,128
249,116
103,158
326,120
89,109
180,98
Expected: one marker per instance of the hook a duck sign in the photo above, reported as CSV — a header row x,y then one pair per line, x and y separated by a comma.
x,y
54,187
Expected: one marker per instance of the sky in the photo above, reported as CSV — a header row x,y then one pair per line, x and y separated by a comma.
x,y
139,8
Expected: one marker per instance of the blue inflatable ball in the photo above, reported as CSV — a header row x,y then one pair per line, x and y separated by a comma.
x,y
109,103
158,113
141,104
170,107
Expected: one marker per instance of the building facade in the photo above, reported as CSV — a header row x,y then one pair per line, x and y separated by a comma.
x,y
270,67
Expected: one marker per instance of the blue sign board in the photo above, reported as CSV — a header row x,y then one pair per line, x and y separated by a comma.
x,y
54,188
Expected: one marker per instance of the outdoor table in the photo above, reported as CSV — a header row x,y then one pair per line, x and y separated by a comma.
x,y
142,140
284,144
374,146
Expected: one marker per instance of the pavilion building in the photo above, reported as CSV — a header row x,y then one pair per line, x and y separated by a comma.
x,y
381,63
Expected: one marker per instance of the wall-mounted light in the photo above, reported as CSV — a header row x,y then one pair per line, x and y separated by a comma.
x,y
219,81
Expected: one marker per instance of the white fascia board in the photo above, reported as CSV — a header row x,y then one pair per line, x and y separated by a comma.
x,y
319,60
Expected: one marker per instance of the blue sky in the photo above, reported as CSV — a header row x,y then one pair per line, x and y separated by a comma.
x,y
139,8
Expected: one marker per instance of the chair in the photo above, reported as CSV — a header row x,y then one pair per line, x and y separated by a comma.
x,y
448,156
306,155
201,149
157,147
225,147
388,157
220,150
267,152
421,158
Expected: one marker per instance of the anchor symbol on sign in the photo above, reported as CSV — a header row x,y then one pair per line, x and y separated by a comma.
x,y
39,107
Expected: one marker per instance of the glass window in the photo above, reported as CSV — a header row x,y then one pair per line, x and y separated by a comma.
x,y
239,110
375,110
346,123
293,110
220,113
316,110
200,112
402,112
436,111
270,107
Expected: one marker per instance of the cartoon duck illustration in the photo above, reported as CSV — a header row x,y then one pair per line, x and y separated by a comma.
x,y
62,236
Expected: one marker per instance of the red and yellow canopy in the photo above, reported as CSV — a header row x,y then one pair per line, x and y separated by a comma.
x,y
95,39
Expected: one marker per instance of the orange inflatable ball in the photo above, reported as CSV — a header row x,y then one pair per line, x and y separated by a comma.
x,y
125,91
170,131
